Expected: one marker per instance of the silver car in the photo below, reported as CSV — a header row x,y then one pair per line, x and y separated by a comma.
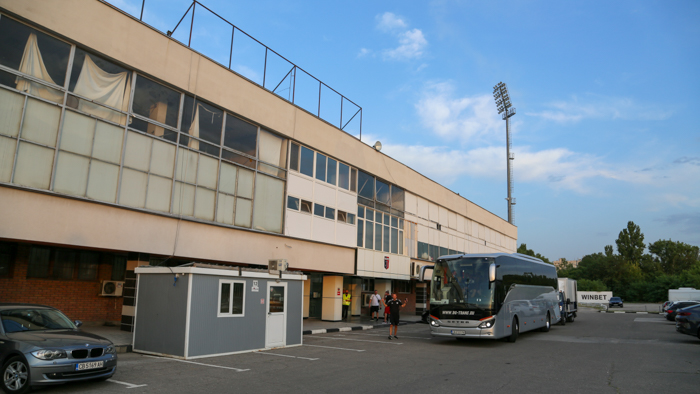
x,y
39,345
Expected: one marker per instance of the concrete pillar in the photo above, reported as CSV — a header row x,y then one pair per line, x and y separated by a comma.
x,y
307,298
332,307
356,305
382,285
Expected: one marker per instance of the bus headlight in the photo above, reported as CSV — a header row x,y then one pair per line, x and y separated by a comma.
x,y
487,323
434,323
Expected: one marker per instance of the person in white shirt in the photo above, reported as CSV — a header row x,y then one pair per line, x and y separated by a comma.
x,y
374,301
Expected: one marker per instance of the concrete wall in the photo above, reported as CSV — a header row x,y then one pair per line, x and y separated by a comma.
x,y
43,218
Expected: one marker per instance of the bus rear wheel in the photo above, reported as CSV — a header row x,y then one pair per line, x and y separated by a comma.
x,y
547,324
515,330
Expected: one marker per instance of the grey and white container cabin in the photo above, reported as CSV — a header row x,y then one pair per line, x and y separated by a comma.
x,y
197,310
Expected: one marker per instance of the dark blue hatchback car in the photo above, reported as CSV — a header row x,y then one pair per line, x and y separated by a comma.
x,y
615,301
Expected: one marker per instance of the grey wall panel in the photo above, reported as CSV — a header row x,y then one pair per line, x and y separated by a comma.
x,y
210,334
294,312
161,313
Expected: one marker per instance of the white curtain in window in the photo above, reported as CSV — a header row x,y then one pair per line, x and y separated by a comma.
x,y
273,149
33,64
103,87
194,130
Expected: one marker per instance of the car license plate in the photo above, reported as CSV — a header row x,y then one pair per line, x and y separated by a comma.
x,y
458,332
90,365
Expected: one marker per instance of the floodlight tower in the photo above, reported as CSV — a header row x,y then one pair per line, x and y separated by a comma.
x,y
500,94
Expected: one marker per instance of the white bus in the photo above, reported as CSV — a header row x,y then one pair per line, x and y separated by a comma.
x,y
491,296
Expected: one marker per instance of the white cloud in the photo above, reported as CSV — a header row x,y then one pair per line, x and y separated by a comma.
x,y
600,107
363,52
412,43
389,21
457,118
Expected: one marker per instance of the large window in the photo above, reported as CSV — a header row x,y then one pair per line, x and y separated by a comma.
x,y
231,298
382,232
322,167
7,258
379,194
124,138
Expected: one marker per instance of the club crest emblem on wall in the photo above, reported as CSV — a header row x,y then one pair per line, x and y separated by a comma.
x,y
386,262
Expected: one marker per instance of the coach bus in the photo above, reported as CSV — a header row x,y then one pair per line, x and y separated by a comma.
x,y
493,296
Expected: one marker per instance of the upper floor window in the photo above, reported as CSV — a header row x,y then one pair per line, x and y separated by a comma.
x,y
381,195
322,167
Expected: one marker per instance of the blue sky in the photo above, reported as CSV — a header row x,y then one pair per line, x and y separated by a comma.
x,y
604,132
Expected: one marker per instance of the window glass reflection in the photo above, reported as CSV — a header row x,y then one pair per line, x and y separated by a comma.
x,y
241,135
155,101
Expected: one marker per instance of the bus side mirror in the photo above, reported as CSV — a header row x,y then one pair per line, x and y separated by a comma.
x,y
492,273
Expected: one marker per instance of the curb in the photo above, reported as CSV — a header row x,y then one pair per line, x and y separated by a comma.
x,y
353,328
640,313
124,348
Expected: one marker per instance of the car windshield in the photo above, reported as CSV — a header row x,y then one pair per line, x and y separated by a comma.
x,y
34,319
615,299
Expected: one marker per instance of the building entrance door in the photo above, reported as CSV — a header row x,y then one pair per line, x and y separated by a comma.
x,y
276,327
315,301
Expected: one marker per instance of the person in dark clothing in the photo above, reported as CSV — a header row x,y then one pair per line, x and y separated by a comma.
x,y
387,298
394,306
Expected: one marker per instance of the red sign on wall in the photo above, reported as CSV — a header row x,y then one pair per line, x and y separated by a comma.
x,y
386,262
338,290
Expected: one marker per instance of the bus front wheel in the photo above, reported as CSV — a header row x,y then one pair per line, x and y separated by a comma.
x,y
547,324
515,330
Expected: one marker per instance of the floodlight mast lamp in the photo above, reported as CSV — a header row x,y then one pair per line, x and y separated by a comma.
x,y
506,110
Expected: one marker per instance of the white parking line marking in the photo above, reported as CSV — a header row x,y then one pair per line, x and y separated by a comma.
x,y
196,363
129,385
286,355
651,320
338,348
360,340
382,335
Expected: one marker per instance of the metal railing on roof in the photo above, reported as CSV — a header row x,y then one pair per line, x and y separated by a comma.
x,y
298,91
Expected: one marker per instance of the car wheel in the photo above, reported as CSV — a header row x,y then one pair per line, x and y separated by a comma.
x,y
514,330
15,376
562,321
547,325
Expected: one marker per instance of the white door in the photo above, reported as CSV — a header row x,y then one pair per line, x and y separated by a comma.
x,y
276,328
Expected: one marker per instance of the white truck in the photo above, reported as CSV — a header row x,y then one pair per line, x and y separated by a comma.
x,y
684,294
568,304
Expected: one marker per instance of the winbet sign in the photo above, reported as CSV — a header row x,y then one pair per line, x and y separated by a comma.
x,y
594,297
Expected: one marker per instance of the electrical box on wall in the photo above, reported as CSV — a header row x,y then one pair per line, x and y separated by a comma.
x,y
111,288
278,265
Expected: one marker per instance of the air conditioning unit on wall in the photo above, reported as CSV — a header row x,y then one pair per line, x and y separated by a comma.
x,y
111,288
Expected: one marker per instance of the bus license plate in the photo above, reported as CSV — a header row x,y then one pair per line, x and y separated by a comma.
x,y
458,332
91,365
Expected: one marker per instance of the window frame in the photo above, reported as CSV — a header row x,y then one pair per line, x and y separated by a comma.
x,y
232,283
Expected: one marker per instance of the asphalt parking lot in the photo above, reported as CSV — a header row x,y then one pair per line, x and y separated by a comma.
x,y
599,352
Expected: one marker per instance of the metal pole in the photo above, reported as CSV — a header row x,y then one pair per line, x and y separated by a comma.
x,y
265,68
142,4
194,5
319,99
230,54
294,88
510,206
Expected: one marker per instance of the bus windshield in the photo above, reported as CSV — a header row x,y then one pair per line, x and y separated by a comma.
x,y
462,281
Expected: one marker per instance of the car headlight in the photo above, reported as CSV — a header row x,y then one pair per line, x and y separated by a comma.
x,y
48,354
110,350
487,323
434,323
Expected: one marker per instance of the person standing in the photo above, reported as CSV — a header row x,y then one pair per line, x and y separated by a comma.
x,y
374,301
387,298
346,303
394,306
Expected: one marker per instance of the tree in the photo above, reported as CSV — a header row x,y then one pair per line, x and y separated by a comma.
x,y
524,250
630,244
674,257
